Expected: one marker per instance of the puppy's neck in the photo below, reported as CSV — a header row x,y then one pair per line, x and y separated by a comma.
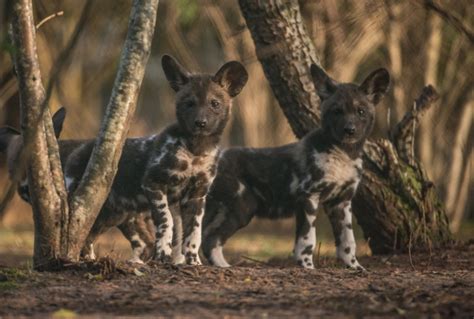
x,y
198,145
323,141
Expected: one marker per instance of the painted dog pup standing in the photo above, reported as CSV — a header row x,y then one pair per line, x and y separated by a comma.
x,y
324,168
170,173
11,143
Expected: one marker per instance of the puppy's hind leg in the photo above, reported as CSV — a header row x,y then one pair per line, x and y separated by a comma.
x,y
218,228
213,240
128,229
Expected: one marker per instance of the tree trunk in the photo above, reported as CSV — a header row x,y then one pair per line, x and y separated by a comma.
x,y
61,227
396,206
90,195
49,208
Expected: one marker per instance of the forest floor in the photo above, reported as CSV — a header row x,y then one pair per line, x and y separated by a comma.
x,y
436,285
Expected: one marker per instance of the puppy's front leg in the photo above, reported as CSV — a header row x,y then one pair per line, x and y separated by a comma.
x,y
340,216
194,211
306,233
177,255
163,222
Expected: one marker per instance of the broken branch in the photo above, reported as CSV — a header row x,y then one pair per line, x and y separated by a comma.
x,y
403,136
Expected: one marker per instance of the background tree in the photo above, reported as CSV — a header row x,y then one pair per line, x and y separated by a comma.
x,y
396,206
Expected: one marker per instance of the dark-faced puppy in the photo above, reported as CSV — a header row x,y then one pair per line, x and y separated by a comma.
x,y
170,173
324,168
11,143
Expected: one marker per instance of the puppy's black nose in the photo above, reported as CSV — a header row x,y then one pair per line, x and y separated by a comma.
x,y
200,123
349,130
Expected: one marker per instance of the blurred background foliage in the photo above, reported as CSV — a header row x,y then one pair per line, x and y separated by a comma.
x,y
351,37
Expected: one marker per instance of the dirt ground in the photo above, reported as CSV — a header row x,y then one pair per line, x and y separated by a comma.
x,y
440,285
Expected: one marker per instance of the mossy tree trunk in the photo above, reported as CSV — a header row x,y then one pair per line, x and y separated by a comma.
x,y
396,205
63,221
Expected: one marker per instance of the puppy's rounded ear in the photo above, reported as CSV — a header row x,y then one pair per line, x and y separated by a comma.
x,y
58,121
376,85
176,75
232,76
6,134
323,84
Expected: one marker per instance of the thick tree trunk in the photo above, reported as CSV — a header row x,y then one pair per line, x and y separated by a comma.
x,y
61,227
396,206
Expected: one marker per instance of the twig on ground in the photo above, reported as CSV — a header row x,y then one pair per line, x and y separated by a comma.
x,y
254,260
409,254
318,253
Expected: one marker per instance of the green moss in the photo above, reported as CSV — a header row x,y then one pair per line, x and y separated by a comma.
x,y
15,274
8,285
12,278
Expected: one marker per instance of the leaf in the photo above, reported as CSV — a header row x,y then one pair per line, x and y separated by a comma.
x,y
64,313
138,273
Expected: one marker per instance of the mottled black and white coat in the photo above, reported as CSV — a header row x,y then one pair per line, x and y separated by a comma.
x,y
11,144
324,168
169,173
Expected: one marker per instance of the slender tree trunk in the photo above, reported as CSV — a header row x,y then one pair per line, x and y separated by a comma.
x,y
394,44
61,227
426,142
44,172
95,185
396,205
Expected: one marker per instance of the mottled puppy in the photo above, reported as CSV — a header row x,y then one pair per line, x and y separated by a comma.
x,y
134,229
170,173
11,144
324,168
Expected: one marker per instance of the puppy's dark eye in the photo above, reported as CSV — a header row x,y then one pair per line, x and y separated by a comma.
x,y
215,104
338,111
361,112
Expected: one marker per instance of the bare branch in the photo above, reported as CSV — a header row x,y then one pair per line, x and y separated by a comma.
x,y
52,16
403,136
451,18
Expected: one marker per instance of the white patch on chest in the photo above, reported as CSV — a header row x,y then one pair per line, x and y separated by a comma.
x,y
241,189
337,166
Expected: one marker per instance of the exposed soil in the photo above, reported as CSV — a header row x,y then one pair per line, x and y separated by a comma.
x,y
442,284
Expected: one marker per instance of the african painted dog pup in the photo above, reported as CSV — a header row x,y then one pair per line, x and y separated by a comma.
x,y
170,173
324,168
11,142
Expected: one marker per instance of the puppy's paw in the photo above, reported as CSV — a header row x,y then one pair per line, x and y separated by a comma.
x,y
193,259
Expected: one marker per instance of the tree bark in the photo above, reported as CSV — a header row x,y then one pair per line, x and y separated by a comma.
x,y
396,205
40,146
88,198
